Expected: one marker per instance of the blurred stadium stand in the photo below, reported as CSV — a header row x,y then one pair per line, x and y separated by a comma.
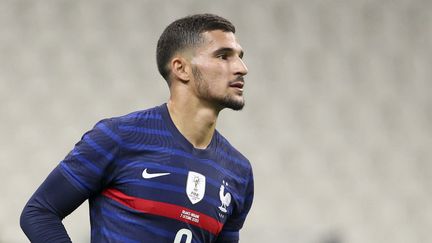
x,y
338,122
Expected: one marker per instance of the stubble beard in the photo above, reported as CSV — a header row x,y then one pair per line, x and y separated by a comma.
x,y
226,101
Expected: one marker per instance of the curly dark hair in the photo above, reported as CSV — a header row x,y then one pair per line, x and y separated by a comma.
x,y
185,33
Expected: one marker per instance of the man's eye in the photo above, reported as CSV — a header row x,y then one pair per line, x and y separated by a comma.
x,y
223,57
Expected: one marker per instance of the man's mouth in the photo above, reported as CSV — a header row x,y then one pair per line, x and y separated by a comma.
x,y
237,84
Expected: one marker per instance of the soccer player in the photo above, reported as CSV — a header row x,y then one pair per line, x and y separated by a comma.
x,y
164,174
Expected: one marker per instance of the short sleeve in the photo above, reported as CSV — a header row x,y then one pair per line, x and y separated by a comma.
x,y
230,231
88,164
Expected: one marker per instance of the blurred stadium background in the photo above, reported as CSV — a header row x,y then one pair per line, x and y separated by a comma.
x,y
338,122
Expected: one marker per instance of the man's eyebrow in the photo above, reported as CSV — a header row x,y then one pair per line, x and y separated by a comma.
x,y
229,50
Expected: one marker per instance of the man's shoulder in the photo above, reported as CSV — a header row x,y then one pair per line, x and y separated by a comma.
x,y
120,126
134,118
226,149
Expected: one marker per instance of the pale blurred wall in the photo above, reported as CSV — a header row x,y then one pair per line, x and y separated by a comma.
x,y
338,121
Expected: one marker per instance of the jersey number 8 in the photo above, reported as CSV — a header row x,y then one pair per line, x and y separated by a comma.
x,y
180,234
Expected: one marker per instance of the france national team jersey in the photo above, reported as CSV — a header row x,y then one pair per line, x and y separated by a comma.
x,y
147,183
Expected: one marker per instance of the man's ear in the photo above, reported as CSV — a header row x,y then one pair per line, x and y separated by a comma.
x,y
180,69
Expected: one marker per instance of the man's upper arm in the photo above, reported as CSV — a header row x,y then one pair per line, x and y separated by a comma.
x,y
81,174
87,165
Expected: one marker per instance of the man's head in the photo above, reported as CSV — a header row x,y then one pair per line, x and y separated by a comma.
x,y
186,33
201,51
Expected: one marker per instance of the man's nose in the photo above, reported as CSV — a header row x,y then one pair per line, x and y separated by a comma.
x,y
240,67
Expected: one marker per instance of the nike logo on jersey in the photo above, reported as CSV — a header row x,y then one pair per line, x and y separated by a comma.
x,y
147,175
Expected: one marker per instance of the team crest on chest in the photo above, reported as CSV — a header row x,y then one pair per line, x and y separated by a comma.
x,y
224,197
195,187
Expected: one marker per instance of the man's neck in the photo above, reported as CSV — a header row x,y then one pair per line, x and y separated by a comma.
x,y
195,121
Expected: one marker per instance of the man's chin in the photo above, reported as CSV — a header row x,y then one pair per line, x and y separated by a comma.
x,y
233,104
236,108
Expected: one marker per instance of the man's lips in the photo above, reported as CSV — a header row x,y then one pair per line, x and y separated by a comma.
x,y
237,84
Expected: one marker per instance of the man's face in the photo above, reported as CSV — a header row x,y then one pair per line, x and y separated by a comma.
x,y
218,70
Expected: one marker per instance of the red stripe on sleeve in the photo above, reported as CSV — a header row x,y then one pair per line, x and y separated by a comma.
x,y
166,210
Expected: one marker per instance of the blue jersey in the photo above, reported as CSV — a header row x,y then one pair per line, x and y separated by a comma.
x,y
147,183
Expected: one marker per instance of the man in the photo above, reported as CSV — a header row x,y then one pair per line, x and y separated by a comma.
x,y
164,174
